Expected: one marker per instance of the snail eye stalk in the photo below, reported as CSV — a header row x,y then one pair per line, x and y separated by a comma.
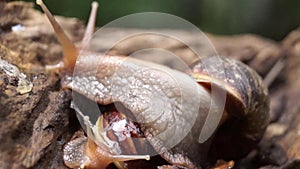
x,y
90,26
69,49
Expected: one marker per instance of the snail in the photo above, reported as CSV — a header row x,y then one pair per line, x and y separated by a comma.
x,y
148,108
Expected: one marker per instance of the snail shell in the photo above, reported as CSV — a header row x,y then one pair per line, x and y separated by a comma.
x,y
247,104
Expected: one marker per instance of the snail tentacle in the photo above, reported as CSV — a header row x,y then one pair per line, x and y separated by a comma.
x,y
69,49
90,26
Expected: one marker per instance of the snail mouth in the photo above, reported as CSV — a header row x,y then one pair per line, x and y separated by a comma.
x,y
113,137
117,125
111,126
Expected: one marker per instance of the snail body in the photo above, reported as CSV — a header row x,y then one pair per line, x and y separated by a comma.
x,y
160,106
154,86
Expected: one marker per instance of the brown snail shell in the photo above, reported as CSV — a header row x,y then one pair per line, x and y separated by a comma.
x,y
247,105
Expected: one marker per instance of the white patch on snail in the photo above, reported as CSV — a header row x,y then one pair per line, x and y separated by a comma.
x,y
119,126
238,76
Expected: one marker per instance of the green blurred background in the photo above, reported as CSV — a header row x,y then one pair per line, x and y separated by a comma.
x,y
269,18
